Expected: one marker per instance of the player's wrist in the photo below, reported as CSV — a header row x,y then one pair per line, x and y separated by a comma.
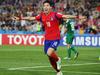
x,y
20,18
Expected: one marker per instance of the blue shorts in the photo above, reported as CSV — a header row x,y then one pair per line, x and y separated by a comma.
x,y
51,44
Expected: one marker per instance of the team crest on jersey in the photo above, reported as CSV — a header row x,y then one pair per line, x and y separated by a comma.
x,y
51,18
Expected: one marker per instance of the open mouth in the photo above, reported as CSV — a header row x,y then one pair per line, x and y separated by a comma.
x,y
45,10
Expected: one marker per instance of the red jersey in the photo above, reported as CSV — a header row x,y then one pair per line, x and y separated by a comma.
x,y
51,25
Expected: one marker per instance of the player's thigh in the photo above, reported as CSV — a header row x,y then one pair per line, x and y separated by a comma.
x,y
50,51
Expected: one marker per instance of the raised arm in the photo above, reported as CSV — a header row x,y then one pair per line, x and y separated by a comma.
x,y
29,18
23,18
68,16
73,17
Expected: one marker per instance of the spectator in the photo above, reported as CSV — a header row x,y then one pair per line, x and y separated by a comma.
x,y
89,8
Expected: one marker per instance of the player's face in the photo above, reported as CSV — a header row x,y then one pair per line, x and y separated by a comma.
x,y
46,8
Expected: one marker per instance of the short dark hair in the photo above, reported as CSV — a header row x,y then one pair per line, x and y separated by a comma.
x,y
47,2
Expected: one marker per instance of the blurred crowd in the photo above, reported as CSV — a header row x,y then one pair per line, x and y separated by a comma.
x,y
10,8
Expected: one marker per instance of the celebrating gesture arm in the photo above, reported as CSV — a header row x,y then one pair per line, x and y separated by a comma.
x,y
23,18
73,17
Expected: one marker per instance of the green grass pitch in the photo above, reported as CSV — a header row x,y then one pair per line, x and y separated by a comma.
x,y
31,60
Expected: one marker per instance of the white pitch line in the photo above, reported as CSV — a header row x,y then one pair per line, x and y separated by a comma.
x,y
21,68
92,73
67,72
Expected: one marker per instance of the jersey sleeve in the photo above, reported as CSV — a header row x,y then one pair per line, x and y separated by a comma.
x,y
38,17
59,15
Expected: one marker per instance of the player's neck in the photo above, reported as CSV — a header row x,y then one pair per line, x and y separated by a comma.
x,y
48,13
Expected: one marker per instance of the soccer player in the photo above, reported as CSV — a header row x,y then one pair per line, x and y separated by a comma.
x,y
69,24
50,22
